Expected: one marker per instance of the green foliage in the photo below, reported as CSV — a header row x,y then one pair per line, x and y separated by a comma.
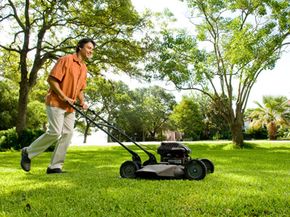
x,y
256,133
214,125
36,115
9,79
9,90
141,113
36,26
106,98
10,140
172,61
8,102
188,118
283,133
233,43
247,182
28,136
272,114
147,115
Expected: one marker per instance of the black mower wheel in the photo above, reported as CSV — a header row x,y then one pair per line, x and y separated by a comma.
x,y
195,169
128,169
209,165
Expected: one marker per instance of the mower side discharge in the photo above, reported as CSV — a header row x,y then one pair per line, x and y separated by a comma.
x,y
175,160
160,170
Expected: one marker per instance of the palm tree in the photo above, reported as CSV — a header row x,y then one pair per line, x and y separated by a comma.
x,y
273,113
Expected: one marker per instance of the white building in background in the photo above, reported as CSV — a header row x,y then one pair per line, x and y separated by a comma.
x,y
172,135
96,138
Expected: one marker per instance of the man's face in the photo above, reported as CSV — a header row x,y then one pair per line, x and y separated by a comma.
x,y
87,51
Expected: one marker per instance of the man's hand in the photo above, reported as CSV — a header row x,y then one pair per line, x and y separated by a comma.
x,y
68,100
85,106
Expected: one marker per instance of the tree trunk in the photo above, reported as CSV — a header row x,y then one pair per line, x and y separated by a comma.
x,y
143,135
86,132
22,107
152,135
272,130
237,131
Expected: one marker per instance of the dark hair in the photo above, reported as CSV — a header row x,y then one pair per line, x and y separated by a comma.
x,y
82,42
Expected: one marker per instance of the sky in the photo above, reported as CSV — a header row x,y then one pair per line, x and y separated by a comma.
x,y
274,82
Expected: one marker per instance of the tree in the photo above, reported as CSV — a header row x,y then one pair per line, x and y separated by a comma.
x,y
188,118
274,112
9,93
157,105
8,90
8,113
147,115
36,112
106,98
214,125
235,42
42,30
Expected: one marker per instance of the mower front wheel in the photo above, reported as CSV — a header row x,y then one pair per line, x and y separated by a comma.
x,y
209,165
195,169
128,169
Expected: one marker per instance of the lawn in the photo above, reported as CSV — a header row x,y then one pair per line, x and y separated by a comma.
x,y
254,181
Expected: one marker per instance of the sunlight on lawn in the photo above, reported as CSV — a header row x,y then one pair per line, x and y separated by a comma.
x,y
247,182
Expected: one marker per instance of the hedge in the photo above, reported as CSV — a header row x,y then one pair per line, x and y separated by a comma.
x,y
10,140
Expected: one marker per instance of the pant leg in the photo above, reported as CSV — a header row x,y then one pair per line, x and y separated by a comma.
x,y
55,125
60,150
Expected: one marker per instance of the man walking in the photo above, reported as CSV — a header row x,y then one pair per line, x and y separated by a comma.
x,y
67,81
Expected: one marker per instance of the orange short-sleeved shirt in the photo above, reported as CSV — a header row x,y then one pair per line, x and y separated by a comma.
x,y
71,73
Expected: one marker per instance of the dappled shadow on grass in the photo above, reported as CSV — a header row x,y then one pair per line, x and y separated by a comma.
x,y
92,186
272,147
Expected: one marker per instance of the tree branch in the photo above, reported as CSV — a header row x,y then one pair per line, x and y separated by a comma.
x,y
9,49
16,15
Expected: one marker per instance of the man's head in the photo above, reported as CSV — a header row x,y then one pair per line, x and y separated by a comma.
x,y
85,48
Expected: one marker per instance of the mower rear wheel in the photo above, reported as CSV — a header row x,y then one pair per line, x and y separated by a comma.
x,y
128,169
195,169
209,165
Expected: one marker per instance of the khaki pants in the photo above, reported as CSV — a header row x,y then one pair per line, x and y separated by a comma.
x,y
59,132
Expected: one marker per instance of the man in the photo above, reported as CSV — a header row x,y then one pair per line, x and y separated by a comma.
x,y
67,81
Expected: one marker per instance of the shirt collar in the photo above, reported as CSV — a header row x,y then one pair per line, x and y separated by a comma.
x,y
75,57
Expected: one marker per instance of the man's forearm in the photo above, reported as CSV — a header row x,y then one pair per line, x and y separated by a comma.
x,y
81,97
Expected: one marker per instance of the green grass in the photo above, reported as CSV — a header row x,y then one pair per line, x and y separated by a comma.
x,y
250,182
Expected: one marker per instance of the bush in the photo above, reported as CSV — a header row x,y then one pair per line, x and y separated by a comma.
x,y
252,133
10,140
283,133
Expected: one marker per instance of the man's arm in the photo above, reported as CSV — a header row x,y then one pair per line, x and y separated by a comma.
x,y
81,98
54,85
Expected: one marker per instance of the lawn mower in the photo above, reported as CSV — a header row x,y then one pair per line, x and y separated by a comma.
x,y
175,161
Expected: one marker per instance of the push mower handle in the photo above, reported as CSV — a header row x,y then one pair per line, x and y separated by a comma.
x,y
76,107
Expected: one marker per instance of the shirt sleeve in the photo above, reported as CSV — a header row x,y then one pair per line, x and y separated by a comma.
x,y
59,69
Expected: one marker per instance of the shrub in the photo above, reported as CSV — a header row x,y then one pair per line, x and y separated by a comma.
x,y
283,133
10,140
253,133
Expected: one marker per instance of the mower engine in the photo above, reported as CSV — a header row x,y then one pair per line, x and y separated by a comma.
x,y
174,153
